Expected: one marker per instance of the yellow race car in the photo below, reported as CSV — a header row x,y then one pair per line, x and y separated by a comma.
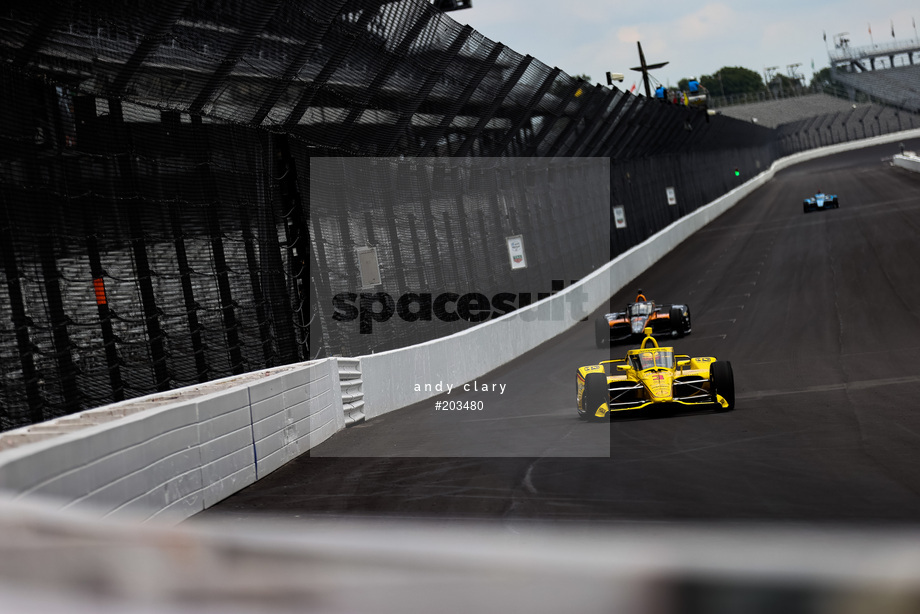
x,y
653,375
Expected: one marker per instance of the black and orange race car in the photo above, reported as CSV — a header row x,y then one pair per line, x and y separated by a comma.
x,y
629,324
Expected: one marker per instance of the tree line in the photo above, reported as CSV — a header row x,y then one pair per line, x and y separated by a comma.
x,y
735,80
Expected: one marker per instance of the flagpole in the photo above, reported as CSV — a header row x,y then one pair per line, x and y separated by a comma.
x,y
871,41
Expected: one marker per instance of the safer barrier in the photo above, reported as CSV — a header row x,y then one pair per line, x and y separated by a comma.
x,y
174,454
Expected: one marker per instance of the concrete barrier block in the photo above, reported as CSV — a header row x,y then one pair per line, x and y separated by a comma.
x,y
224,435
273,458
235,455
228,476
301,377
269,406
162,482
908,162
266,388
183,508
301,411
267,416
78,463
227,455
179,498
296,395
218,404
322,432
183,452
268,435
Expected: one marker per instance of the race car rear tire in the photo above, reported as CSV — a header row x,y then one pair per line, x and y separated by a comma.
x,y
679,326
594,395
601,333
722,382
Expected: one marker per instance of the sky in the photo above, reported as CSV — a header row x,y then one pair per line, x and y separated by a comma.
x,y
696,38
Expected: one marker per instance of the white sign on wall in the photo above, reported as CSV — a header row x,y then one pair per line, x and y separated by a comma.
x,y
672,196
619,216
516,252
368,266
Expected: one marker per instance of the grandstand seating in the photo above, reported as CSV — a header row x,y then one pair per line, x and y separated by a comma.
x,y
772,113
898,86
856,122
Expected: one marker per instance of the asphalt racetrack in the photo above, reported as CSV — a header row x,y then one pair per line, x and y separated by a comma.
x,y
819,315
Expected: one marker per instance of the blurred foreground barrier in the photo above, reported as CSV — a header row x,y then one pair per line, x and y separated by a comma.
x,y
176,453
52,561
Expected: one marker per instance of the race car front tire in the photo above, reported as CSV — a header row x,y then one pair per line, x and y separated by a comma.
x,y
680,325
722,382
601,333
595,394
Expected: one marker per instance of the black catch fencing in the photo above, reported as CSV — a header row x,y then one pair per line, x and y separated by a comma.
x,y
129,268
860,122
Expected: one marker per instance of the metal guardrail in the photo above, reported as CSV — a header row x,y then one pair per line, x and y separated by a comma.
x,y
844,54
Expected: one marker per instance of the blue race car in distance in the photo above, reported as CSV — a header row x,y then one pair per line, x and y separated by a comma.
x,y
820,201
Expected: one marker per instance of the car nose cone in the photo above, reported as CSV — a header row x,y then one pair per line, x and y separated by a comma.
x,y
660,385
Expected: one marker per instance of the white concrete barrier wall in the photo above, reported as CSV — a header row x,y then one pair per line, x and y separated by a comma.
x,y
294,412
908,161
199,446
390,377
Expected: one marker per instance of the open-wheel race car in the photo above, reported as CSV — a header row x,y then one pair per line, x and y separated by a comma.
x,y
652,375
629,324
819,202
